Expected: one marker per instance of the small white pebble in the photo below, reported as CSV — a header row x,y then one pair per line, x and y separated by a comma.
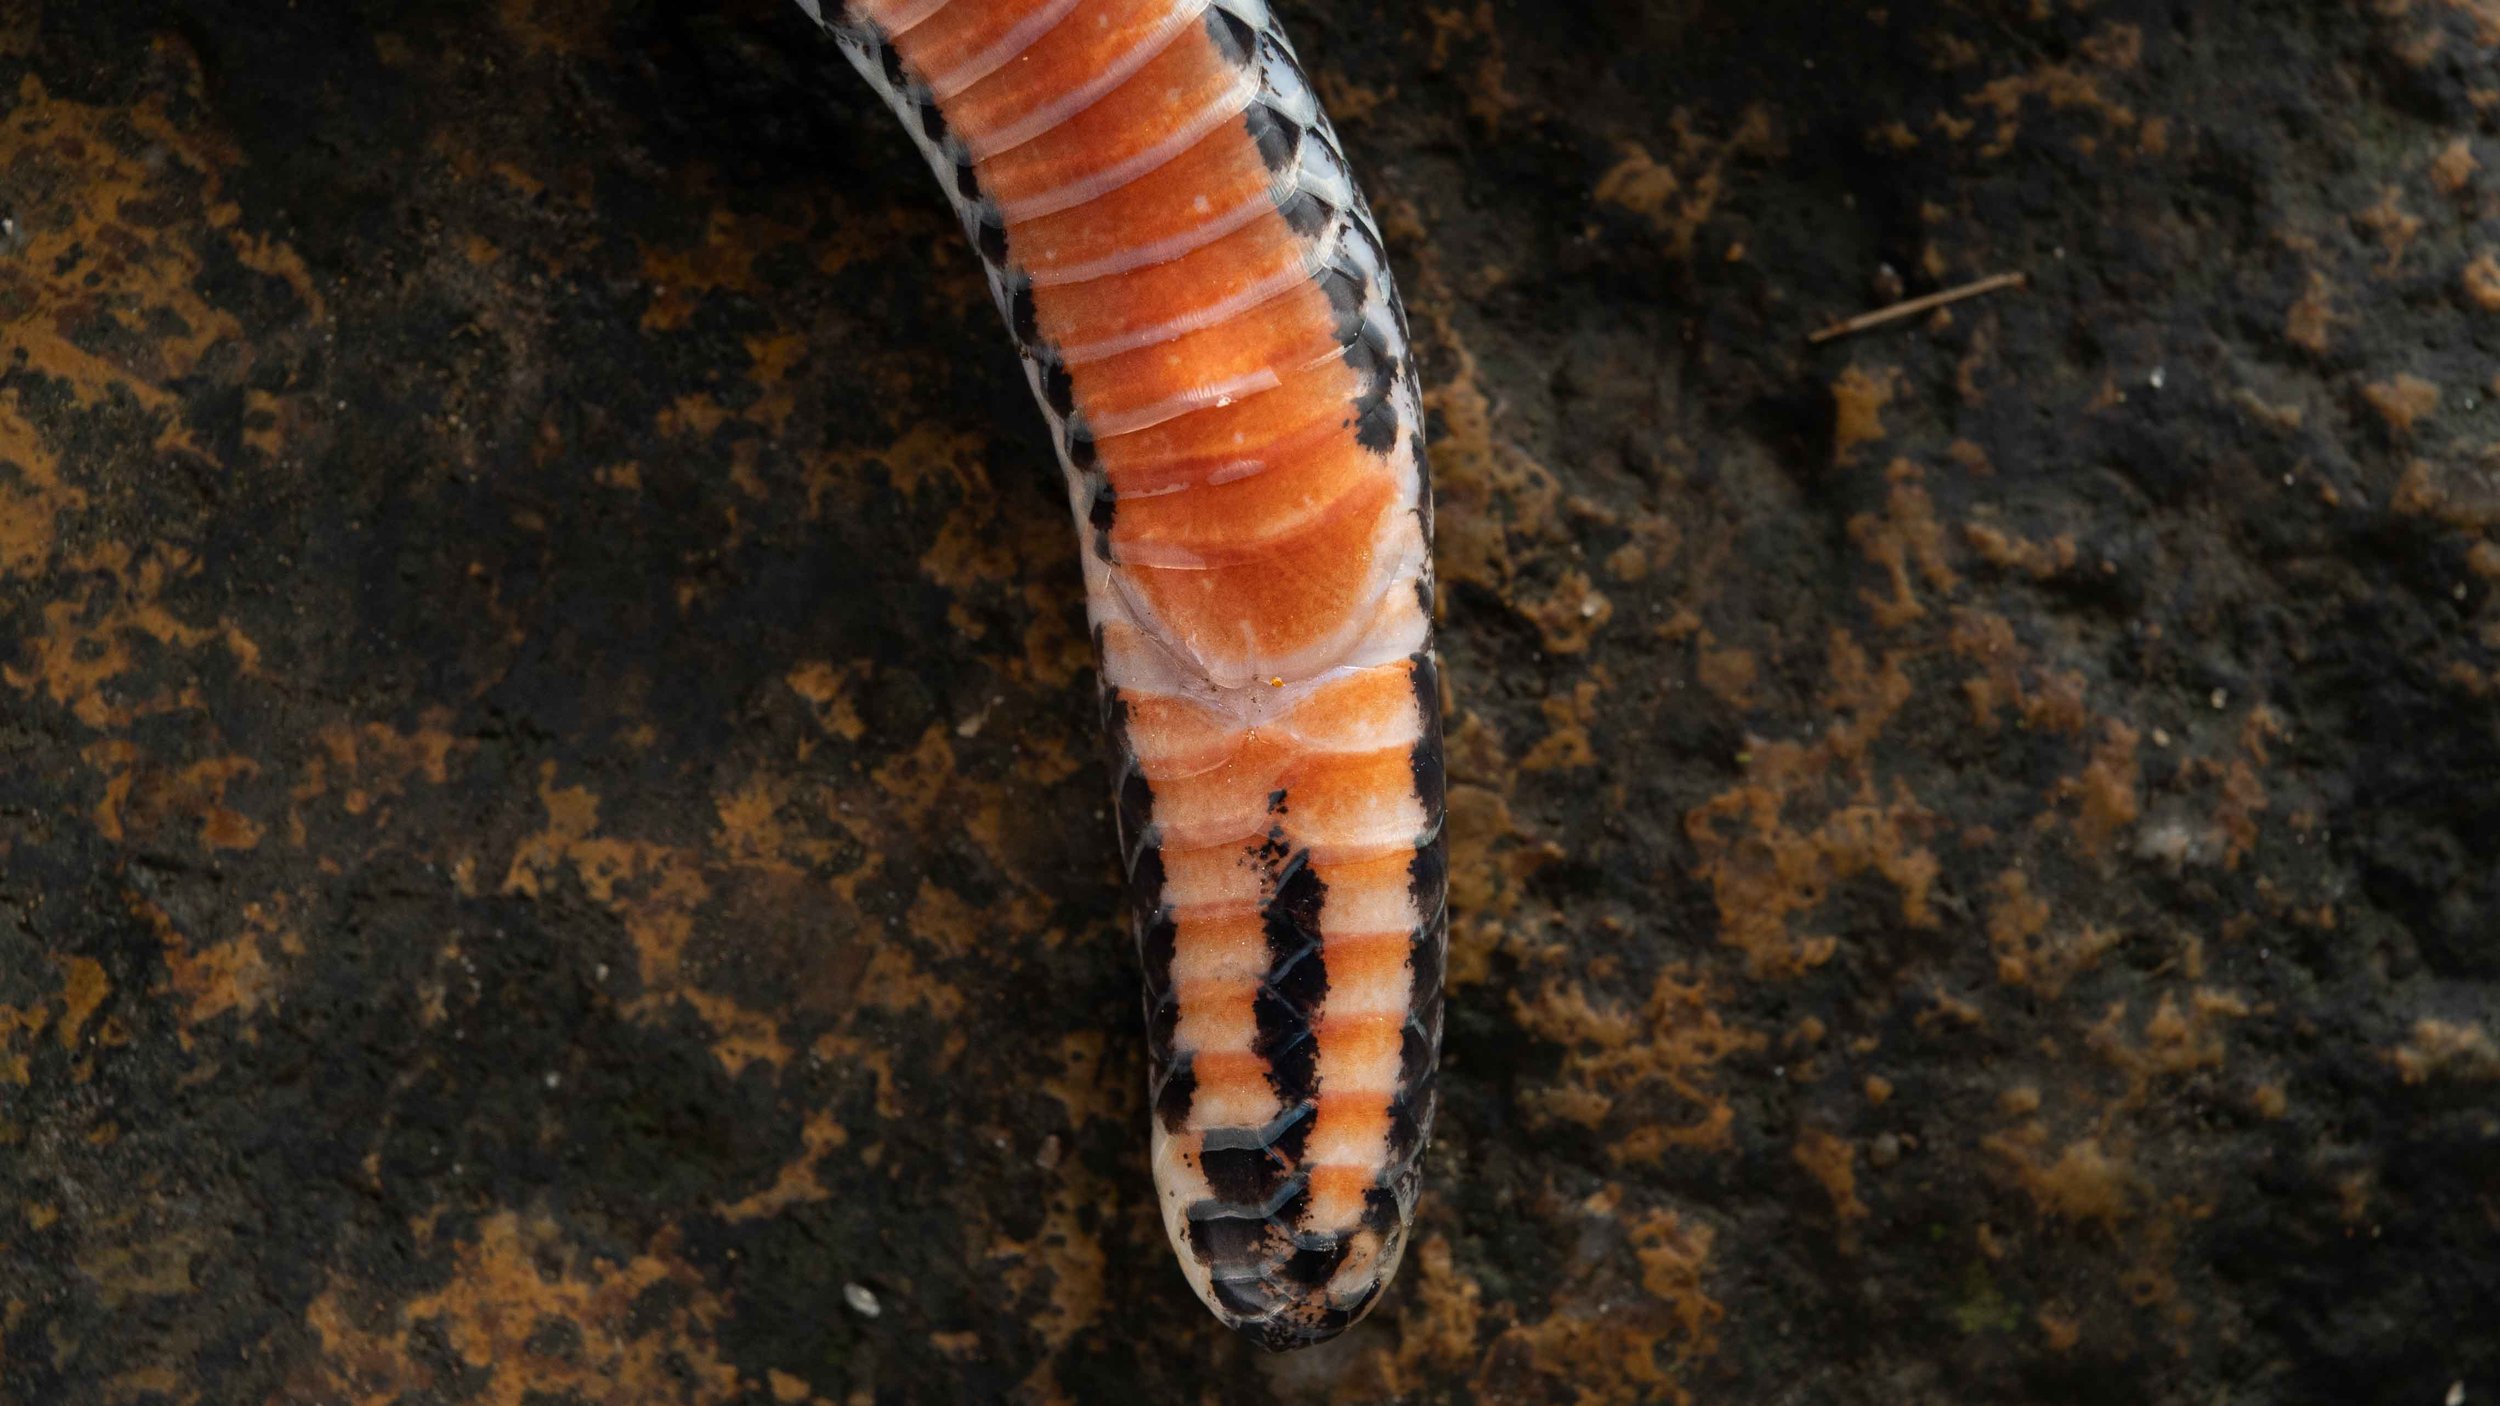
x,y
2456,1394
861,1301
2220,700
600,971
554,1079
2161,738
2159,375
2459,592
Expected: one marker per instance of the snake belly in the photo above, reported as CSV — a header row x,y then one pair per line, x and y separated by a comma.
x,y
1208,322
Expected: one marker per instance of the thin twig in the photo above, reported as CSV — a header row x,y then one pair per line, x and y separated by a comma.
x,y
1914,306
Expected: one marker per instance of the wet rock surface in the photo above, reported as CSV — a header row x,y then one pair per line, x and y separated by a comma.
x,y
551,845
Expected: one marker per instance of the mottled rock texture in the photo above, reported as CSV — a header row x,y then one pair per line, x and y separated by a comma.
x,y
551,847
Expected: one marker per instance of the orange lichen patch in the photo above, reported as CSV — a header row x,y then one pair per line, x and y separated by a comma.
x,y
2083,1182
1089,1086
1673,1256
1668,1051
2481,281
2392,225
1605,1345
657,892
1057,1277
641,1326
2028,954
722,260
2176,1039
140,798
1905,536
1858,400
827,689
796,1184
1488,100
2007,552
2062,87
368,764
2243,799
558,27
1492,857
1728,674
2105,791
2453,169
2402,401
1569,616
2306,323
90,640
105,263
1831,1160
232,976
33,495
1808,816
1678,195
2054,702
1567,746
2441,1049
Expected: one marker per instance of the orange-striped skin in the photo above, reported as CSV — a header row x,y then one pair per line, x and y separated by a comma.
x,y
1211,328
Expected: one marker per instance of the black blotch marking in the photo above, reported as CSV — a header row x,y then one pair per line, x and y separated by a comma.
x,y
1425,957
1228,1239
1418,1061
989,234
1136,805
1344,288
1275,804
967,180
1058,389
1296,1206
1162,1019
1423,510
1098,515
1232,35
1302,984
1279,139
1306,213
1312,1266
1157,939
932,121
1380,1210
1180,1088
1405,1128
1024,320
1297,982
1273,853
1375,419
1083,454
1296,1134
890,64
1243,1176
1428,881
1246,1298
1425,761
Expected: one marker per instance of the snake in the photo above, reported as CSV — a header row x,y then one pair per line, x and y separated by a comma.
x,y
1204,307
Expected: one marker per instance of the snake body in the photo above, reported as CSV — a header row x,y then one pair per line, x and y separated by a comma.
x,y
1208,322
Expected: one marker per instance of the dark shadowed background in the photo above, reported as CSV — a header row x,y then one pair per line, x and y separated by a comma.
x,y
551,843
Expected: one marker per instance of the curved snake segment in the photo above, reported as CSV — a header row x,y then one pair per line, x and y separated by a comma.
x,y
1209,324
